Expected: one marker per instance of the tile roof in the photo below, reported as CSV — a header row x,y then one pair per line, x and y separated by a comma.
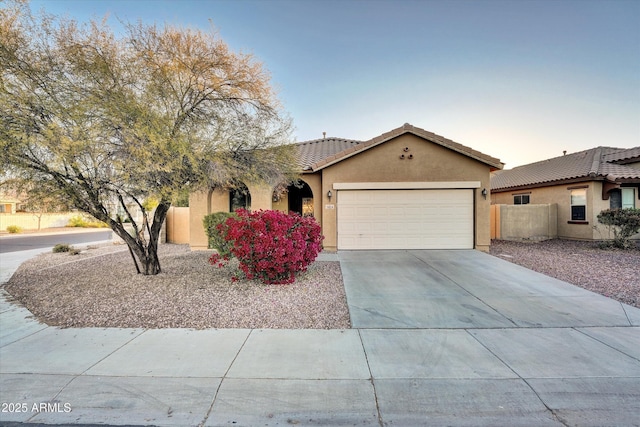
x,y
623,155
320,153
600,163
312,152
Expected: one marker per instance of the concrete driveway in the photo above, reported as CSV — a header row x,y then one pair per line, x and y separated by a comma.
x,y
461,337
466,290
439,338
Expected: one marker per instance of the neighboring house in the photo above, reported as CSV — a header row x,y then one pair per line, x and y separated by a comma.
x,y
8,204
580,184
405,189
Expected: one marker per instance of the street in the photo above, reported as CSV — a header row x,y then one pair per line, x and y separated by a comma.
x,y
15,243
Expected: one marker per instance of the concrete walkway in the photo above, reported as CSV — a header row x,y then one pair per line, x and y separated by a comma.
x,y
439,338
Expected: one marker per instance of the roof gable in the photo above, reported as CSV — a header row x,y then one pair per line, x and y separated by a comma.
x,y
600,163
329,151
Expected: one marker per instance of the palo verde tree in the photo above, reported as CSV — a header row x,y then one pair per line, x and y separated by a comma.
x,y
109,122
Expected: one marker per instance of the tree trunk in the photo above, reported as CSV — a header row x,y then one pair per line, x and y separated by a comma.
x,y
153,266
145,252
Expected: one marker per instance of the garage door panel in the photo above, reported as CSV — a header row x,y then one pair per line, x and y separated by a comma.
x,y
405,219
366,227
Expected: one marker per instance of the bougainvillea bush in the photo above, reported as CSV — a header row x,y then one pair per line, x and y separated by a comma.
x,y
270,245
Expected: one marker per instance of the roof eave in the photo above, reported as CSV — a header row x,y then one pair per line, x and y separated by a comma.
x,y
548,184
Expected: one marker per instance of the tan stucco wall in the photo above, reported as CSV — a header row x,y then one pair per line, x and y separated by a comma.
x,y
527,222
198,208
204,203
314,181
561,195
30,221
261,197
178,226
430,163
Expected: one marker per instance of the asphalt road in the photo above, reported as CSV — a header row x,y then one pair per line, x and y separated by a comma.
x,y
40,241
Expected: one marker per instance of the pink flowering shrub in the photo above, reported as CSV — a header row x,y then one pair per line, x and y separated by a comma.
x,y
270,245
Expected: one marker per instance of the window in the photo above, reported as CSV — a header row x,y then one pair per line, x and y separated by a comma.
x,y
579,204
622,198
615,199
628,198
521,199
307,206
239,198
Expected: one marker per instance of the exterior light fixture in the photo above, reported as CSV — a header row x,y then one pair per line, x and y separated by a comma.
x,y
484,193
329,194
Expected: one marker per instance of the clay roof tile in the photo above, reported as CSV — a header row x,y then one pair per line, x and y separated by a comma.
x,y
595,163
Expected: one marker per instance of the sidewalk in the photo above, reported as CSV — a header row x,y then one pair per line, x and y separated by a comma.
x,y
49,231
513,375
10,261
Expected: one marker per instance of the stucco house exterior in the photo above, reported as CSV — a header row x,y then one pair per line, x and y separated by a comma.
x,y
8,204
581,184
405,189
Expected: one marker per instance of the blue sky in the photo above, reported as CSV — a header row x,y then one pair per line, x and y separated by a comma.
x,y
519,80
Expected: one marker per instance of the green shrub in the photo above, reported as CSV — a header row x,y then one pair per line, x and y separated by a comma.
x,y
62,247
13,229
624,223
77,221
216,237
80,221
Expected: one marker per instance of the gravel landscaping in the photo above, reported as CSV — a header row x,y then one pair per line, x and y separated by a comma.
x,y
100,288
610,272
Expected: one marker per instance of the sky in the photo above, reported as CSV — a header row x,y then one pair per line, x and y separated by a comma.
x,y
520,80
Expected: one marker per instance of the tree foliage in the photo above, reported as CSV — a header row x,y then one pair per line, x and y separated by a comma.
x,y
624,223
108,122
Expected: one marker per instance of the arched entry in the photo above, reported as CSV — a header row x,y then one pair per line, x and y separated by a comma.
x,y
300,198
239,198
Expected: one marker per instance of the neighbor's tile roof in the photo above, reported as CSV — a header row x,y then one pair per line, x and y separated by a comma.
x,y
320,153
602,163
622,155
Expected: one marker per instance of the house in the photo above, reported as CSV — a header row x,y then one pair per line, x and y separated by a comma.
x,y
8,204
405,189
581,184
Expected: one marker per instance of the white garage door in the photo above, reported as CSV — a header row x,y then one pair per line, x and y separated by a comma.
x,y
405,219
